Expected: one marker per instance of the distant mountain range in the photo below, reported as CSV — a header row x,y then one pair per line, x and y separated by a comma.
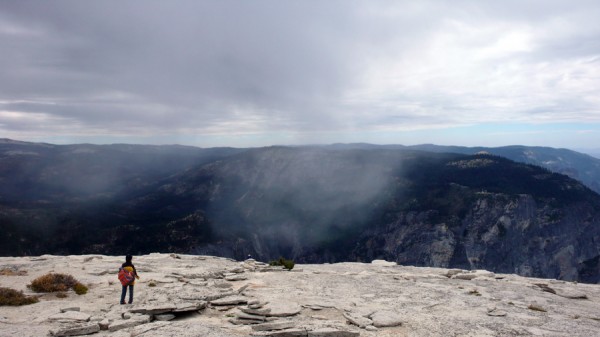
x,y
423,205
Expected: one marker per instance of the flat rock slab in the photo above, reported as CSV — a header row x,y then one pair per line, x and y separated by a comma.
x,y
331,332
178,329
284,309
164,317
283,333
129,323
189,306
153,309
260,311
77,330
70,309
239,321
465,276
236,277
497,313
230,300
243,315
70,316
386,318
270,326
572,294
357,320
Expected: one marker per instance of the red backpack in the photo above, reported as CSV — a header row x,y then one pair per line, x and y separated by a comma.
x,y
126,277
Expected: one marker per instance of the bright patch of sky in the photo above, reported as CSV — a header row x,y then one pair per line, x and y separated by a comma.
x,y
258,73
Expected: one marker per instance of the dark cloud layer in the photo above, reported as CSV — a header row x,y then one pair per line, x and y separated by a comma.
x,y
227,68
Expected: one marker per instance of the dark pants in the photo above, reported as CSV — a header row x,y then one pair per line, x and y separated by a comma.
x,y
124,292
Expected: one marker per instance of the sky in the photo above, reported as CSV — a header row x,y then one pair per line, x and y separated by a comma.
x,y
259,73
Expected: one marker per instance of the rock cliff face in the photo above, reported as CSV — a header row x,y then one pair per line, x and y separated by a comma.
x,y
502,233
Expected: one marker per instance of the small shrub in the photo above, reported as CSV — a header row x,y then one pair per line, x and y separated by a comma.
x,y
151,284
12,272
50,283
12,297
80,289
288,264
62,295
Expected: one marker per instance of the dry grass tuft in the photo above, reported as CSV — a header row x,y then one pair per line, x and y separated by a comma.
x,y
57,283
12,272
12,297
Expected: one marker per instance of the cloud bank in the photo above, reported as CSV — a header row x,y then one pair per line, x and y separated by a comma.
x,y
266,72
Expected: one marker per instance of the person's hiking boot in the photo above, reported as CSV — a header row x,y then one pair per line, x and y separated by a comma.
x,y
122,302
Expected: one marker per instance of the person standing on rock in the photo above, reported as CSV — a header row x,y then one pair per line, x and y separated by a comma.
x,y
130,274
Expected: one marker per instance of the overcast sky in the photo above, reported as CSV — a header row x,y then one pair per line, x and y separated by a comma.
x,y
254,73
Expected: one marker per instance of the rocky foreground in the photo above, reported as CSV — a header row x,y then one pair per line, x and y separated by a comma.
x,y
183,295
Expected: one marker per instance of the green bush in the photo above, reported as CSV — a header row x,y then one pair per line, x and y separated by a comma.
x,y
288,264
12,297
80,289
57,283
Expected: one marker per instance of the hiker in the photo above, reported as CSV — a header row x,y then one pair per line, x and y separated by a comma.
x,y
127,276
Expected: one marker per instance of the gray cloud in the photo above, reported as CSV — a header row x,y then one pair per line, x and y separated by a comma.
x,y
265,67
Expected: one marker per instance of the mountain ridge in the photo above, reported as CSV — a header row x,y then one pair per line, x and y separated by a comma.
x,y
313,204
